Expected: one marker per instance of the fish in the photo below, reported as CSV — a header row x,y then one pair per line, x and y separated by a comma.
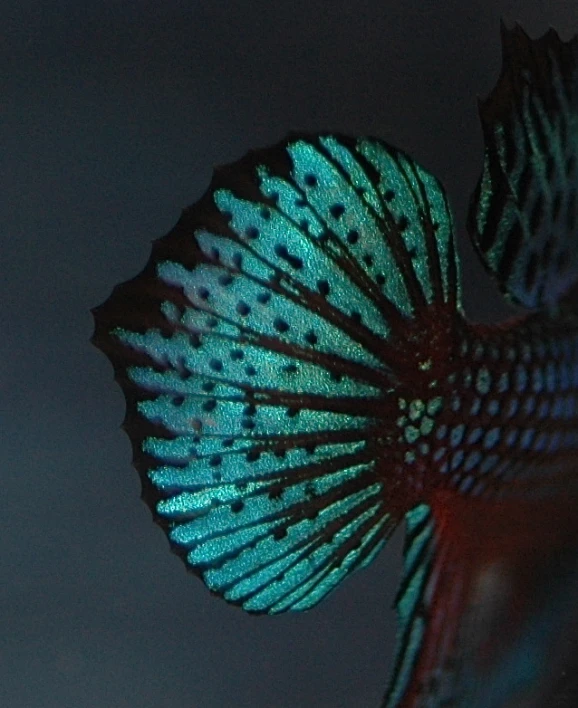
x,y
301,380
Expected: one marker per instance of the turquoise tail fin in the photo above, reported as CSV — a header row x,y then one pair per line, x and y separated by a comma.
x,y
262,353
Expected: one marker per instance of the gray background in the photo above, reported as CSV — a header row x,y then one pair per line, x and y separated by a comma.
x,y
112,116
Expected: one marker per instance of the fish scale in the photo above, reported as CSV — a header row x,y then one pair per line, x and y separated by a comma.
x,y
301,378
519,394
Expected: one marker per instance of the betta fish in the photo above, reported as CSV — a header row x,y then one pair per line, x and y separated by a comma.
x,y
301,378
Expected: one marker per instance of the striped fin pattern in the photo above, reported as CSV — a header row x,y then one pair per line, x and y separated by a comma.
x,y
418,553
473,567
256,351
426,668
524,211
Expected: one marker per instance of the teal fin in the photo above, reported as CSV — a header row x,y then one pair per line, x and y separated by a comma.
x,y
426,673
524,212
258,353
418,553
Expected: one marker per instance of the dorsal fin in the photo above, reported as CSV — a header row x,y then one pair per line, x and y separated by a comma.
x,y
524,212
429,609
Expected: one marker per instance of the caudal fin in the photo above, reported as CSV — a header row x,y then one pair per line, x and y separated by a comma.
x,y
261,352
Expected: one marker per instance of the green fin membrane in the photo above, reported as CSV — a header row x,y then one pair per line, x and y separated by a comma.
x,y
259,351
524,211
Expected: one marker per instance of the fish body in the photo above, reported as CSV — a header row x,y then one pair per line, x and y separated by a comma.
x,y
301,378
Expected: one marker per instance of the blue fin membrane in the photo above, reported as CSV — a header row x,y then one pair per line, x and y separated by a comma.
x,y
262,352
524,212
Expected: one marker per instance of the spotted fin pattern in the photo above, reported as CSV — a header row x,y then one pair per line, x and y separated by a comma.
x,y
256,352
524,212
300,378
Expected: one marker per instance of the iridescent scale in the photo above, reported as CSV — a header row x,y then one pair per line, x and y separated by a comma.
x,y
509,413
300,378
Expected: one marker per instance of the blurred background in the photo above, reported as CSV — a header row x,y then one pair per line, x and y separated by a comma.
x,y
112,115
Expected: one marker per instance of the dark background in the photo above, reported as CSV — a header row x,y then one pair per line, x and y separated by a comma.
x,y
112,115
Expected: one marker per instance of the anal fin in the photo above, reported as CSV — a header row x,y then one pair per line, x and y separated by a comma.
x,y
481,602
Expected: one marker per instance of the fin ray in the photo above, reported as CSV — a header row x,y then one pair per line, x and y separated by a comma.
x,y
524,212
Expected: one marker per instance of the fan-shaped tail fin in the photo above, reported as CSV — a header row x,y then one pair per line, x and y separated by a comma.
x,y
262,353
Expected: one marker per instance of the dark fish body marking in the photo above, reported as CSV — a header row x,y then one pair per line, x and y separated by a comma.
x,y
300,378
